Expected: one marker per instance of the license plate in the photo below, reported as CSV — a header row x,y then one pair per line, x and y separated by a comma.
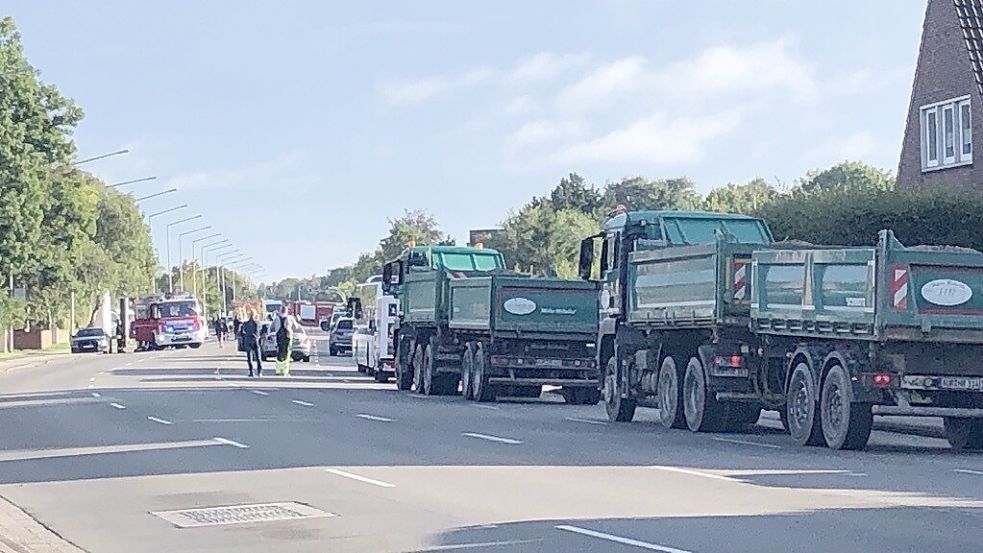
x,y
181,338
549,362
962,383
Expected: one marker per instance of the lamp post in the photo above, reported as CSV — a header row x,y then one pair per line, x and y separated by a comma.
x,y
220,276
103,156
134,181
180,251
150,224
167,238
194,256
233,266
219,246
142,198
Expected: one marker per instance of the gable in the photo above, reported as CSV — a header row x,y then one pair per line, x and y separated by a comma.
x,y
970,14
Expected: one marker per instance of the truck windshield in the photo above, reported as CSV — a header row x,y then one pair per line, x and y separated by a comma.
x,y
701,231
179,309
469,261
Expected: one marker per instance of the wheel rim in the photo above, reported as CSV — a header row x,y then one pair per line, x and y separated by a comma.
x,y
834,407
477,386
428,370
799,409
466,373
694,399
667,396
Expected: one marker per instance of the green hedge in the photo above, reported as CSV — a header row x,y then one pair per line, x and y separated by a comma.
x,y
853,218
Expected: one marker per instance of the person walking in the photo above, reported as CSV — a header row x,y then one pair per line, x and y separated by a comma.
x,y
219,331
236,325
249,334
283,328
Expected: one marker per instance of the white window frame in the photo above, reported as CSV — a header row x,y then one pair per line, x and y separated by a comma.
x,y
938,111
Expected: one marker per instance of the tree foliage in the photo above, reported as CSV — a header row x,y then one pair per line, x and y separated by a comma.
x,y
639,193
848,175
740,198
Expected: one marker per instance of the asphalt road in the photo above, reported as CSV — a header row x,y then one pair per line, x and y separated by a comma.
x,y
101,449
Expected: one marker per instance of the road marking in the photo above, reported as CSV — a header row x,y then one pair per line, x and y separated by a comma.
x,y
619,539
302,403
480,406
93,379
746,442
118,406
92,386
967,471
96,394
232,443
509,441
160,421
260,392
373,418
587,421
33,454
482,545
691,472
232,420
344,474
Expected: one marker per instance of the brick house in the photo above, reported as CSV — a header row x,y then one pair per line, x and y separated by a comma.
x,y
946,101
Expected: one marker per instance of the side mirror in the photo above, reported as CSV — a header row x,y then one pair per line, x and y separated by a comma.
x,y
586,258
387,276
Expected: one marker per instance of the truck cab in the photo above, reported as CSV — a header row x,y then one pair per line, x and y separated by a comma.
x,y
168,320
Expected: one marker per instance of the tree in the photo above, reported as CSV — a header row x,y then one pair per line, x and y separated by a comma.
x,y
848,175
637,193
541,240
573,192
417,226
741,198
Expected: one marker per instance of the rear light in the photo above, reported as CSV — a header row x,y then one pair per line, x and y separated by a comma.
x,y
880,380
733,361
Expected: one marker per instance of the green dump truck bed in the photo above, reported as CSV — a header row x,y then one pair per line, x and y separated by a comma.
x,y
929,294
516,305
690,286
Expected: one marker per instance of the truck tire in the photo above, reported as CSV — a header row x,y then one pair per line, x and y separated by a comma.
x,y
418,368
404,365
431,384
702,411
467,371
801,403
482,389
671,411
964,434
619,409
846,424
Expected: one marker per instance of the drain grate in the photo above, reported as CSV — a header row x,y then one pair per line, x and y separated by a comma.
x,y
240,514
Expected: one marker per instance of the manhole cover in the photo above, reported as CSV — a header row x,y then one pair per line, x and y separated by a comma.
x,y
240,514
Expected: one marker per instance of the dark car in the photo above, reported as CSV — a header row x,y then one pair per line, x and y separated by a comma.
x,y
90,339
340,337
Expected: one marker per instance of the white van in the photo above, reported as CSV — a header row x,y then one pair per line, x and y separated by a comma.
x,y
375,317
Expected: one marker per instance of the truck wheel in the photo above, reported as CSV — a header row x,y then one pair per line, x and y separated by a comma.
x,y
429,386
619,409
418,368
846,424
703,412
404,365
801,400
467,362
482,390
964,434
671,412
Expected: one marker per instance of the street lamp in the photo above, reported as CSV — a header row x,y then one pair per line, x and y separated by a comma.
x,y
134,181
220,276
232,264
194,257
167,238
218,246
180,251
103,156
150,225
138,200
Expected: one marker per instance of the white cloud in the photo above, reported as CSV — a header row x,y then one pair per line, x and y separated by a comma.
x,y
657,139
601,85
413,91
538,133
520,105
545,66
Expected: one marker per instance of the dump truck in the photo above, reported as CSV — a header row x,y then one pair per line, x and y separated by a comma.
x,y
711,321
463,319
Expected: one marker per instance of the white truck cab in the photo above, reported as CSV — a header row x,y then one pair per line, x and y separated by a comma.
x,y
375,316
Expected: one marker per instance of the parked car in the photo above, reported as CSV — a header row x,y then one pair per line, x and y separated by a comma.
x,y
328,325
300,347
91,339
340,337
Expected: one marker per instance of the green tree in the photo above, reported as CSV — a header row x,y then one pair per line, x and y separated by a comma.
x,y
573,192
417,226
638,193
848,175
544,241
741,198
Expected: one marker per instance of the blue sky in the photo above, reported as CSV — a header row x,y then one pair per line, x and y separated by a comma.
x,y
318,120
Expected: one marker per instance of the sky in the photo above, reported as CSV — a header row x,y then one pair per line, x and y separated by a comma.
x,y
297,128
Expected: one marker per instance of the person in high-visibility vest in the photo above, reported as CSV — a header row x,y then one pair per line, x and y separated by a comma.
x,y
283,328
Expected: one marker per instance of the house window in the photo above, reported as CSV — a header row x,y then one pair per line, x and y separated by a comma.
x,y
947,134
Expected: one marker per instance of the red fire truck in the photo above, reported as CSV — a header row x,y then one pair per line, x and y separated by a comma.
x,y
168,320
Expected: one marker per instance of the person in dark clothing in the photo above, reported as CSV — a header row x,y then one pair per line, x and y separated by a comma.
x,y
236,326
250,339
219,331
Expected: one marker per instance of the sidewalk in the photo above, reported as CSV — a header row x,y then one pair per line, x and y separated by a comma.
x,y
31,358
19,533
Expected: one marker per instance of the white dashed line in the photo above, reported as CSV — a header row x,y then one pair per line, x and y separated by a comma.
x,y
692,472
96,394
93,379
92,386
344,474
160,421
509,441
586,421
302,403
232,443
619,539
260,392
373,418
967,471
118,406
745,442
480,406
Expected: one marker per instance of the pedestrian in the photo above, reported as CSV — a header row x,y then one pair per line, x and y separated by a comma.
x,y
283,329
249,337
219,331
236,325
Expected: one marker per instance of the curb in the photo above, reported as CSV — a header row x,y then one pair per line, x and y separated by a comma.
x,y
28,362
